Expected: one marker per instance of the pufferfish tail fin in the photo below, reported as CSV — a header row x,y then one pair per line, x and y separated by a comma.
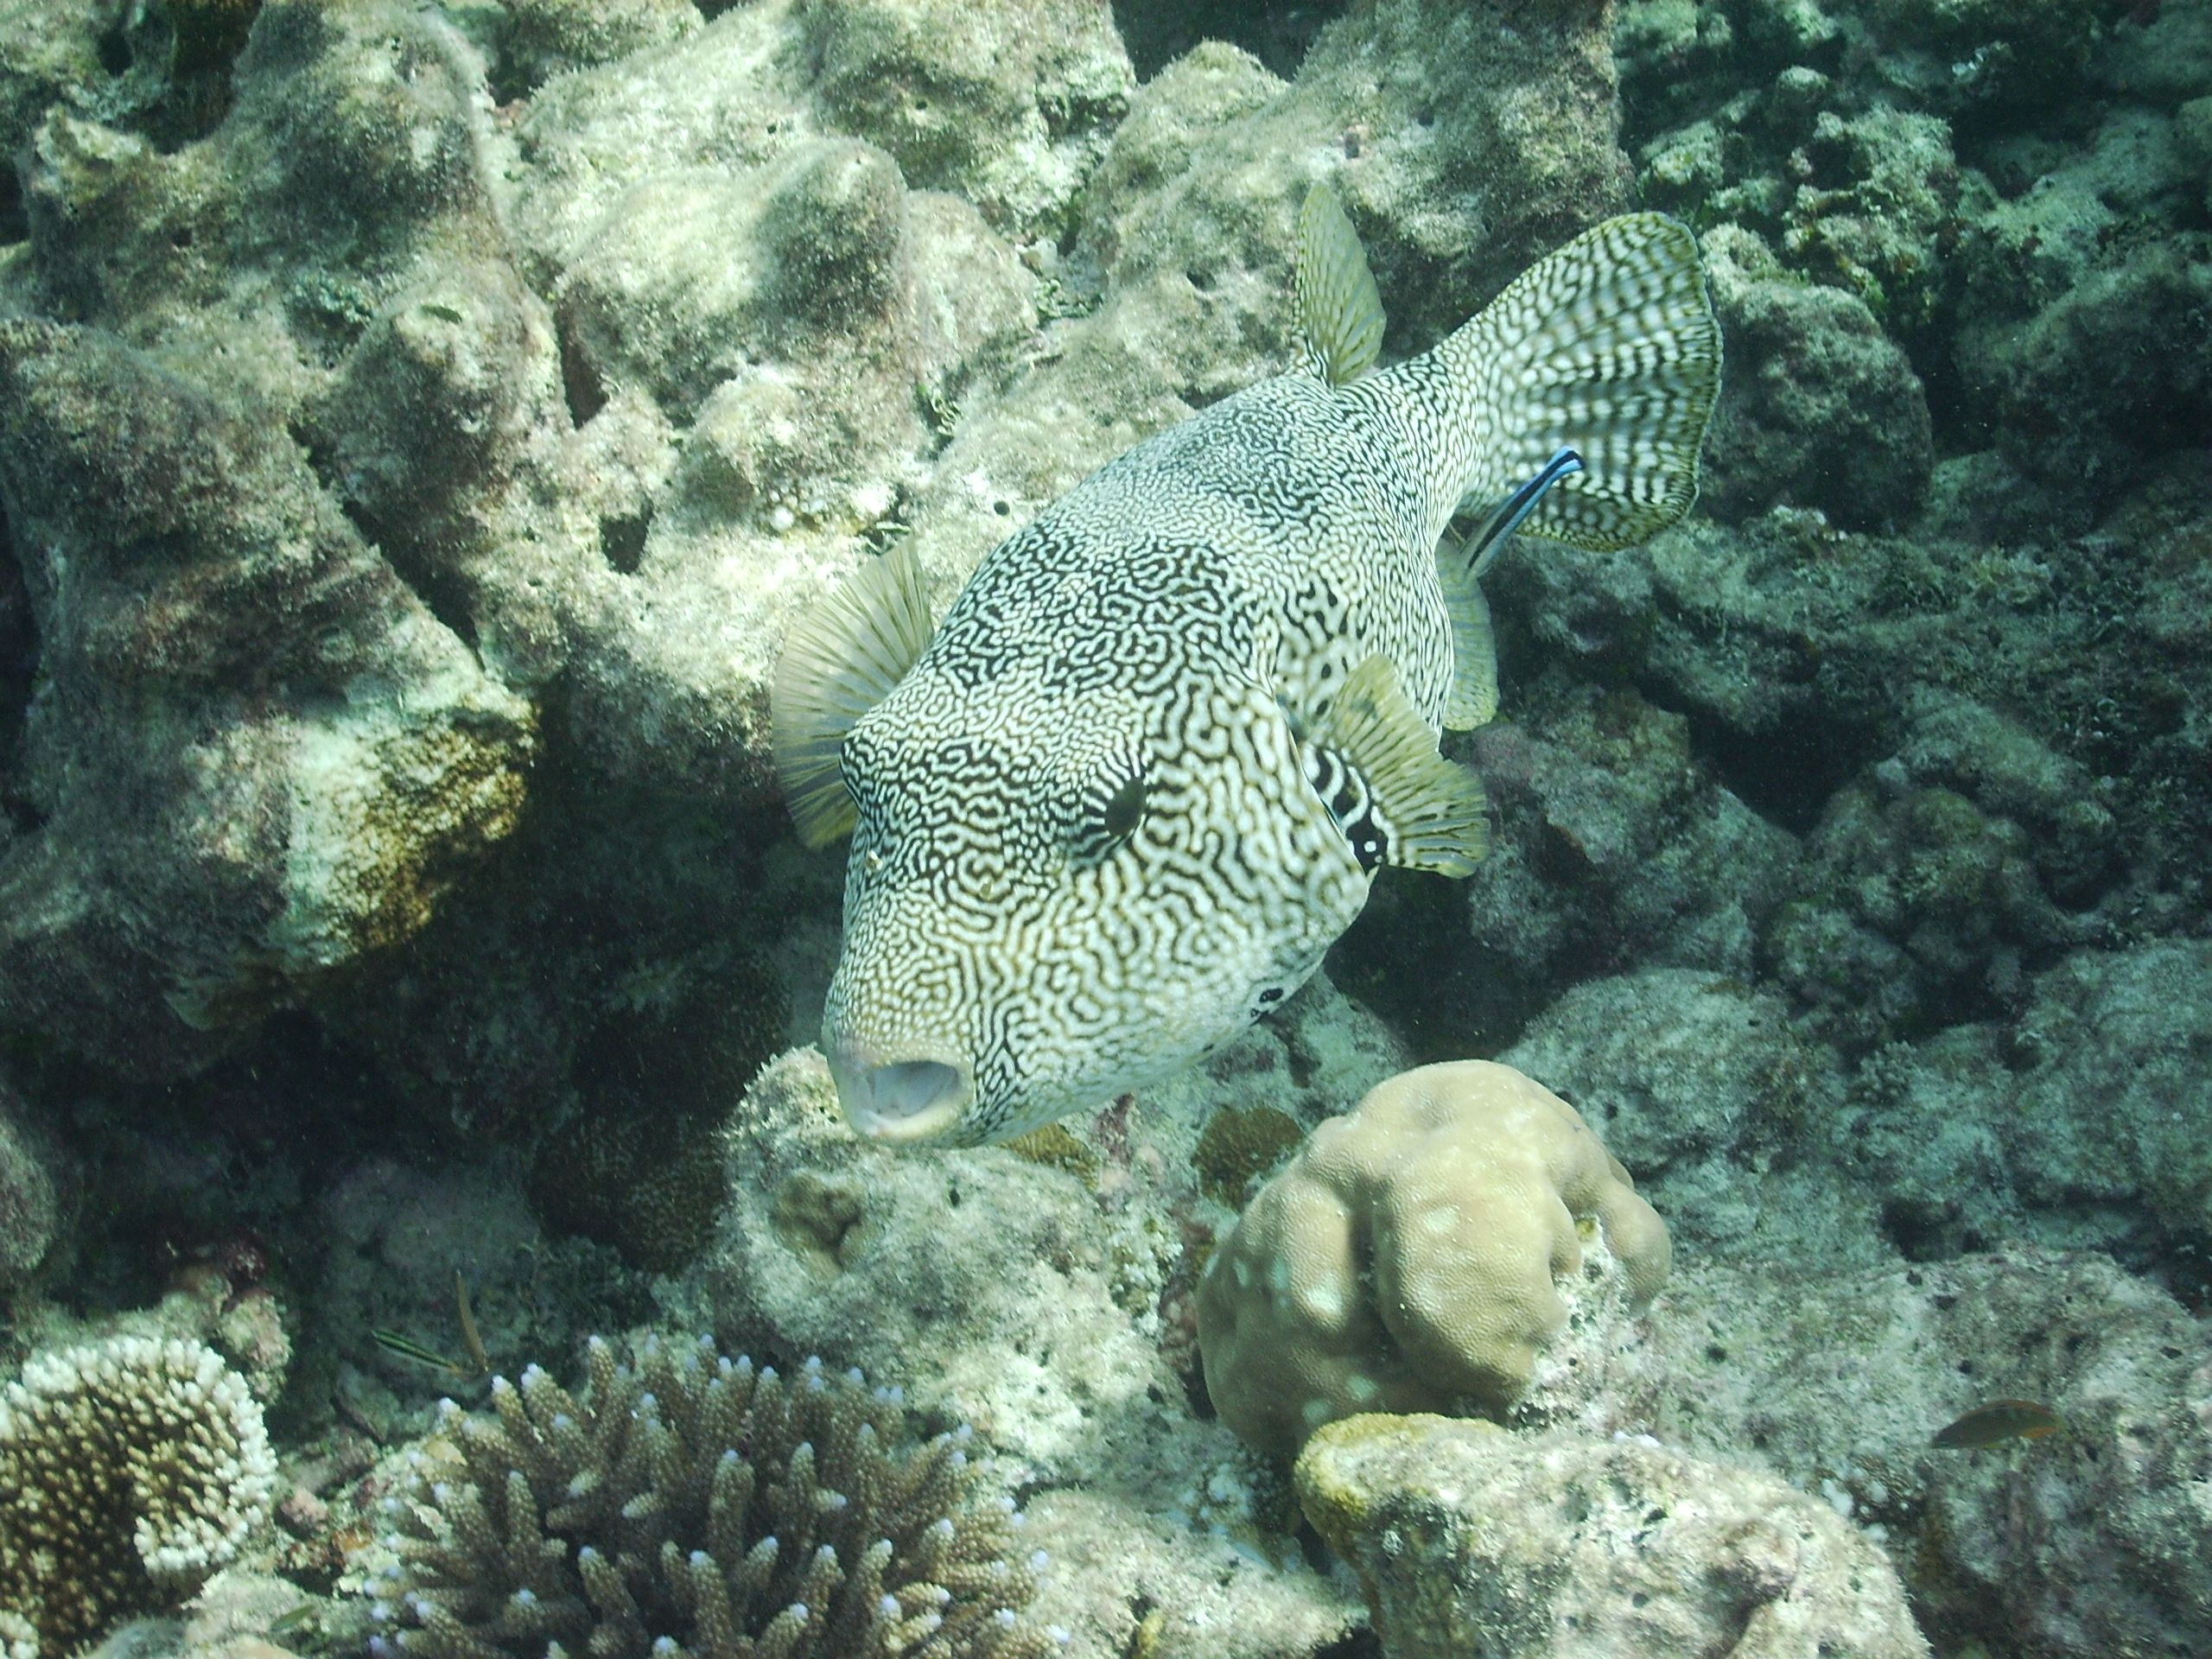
x,y
1607,348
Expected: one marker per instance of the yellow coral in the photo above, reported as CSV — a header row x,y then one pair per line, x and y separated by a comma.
x,y
1410,1257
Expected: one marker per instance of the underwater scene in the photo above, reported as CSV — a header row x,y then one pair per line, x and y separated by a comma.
x,y
1015,829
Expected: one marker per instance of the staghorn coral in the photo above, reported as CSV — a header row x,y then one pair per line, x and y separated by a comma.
x,y
695,1504
129,1470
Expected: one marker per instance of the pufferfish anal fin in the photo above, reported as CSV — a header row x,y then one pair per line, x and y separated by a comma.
x,y
1472,700
1339,307
1607,348
840,660
1373,760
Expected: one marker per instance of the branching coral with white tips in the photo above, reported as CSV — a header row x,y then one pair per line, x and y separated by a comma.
x,y
129,1470
696,1507
1412,1257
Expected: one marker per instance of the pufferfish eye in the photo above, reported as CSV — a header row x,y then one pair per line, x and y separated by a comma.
x,y
1112,806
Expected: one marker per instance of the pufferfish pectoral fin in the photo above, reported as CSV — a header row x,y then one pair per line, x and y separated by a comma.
x,y
1399,801
839,660
1339,307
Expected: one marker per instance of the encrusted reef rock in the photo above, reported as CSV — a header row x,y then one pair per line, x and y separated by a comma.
x,y
1470,1539
2083,1541
1040,1293
1459,1239
256,753
33,1181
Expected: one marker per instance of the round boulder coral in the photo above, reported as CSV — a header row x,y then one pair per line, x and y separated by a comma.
x,y
1412,1256
129,1470
693,1504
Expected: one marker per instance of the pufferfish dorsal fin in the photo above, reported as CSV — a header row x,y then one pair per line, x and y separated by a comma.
x,y
840,660
1400,802
1472,700
1339,307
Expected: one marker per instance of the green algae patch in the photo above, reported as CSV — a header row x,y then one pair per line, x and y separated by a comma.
x,y
1333,1493
1056,1147
1239,1145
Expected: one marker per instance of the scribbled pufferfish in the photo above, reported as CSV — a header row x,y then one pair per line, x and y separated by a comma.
x,y
1122,800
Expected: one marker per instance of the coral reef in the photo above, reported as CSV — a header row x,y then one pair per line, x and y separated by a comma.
x,y
1418,1253
418,422
129,1470
1470,1540
694,1504
1047,1302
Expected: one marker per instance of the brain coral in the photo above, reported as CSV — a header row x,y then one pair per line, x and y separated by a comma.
x,y
129,1470
1410,1258
697,1505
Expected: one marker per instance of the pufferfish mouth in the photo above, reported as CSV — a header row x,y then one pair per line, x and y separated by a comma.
x,y
911,1096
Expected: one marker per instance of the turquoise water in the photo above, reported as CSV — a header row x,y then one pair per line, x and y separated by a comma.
x,y
458,459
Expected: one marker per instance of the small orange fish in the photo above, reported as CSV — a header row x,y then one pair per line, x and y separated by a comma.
x,y
1999,1421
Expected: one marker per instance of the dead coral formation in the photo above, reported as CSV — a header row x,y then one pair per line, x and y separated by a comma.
x,y
1469,1540
695,1504
31,1204
129,1470
1412,1256
639,1165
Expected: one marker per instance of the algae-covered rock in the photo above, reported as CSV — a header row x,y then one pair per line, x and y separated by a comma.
x,y
1469,1539
2081,1541
257,755
1819,407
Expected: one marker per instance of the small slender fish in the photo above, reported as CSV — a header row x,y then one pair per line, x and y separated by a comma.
x,y
295,1619
1999,1421
408,1348
1481,548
